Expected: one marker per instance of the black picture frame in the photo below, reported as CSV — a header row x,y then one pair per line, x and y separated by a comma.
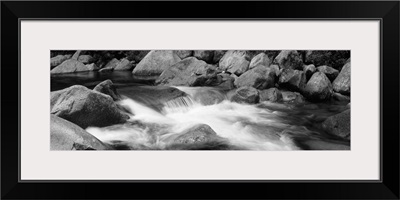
x,y
385,11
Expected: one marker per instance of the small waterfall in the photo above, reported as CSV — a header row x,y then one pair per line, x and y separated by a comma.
x,y
180,104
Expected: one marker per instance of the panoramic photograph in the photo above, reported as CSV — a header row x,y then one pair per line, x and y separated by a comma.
x,y
260,100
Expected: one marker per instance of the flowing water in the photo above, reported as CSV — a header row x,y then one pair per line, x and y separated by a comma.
x,y
155,120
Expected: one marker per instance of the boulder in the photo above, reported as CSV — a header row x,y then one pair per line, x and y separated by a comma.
x,y
226,81
289,59
208,96
318,88
57,60
260,59
292,97
271,94
65,135
86,59
276,69
91,67
107,87
234,62
76,55
338,124
260,77
335,59
294,80
200,133
124,64
155,62
85,107
112,63
189,72
70,66
182,54
342,82
309,70
329,72
246,95
339,97
206,56
218,55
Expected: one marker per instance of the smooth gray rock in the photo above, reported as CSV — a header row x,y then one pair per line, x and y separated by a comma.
x,y
200,133
124,65
330,72
318,88
57,60
271,94
342,82
260,77
294,80
338,124
292,97
155,62
246,94
70,66
234,62
107,87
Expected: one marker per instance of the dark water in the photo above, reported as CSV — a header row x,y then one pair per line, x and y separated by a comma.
x,y
157,119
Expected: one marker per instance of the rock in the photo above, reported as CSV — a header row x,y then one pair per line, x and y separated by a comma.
x,y
206,56
335,59
155,63
200,133
234,62
226,81
218,55
276,69
65,135
260,77
189,72
329,72
76,55
70,66
292,97
57,60
208,96
271,94
112,64
289,59
106,70
338,124
182,54
292,80
86,59
309,70
85,107
260,59
318,88
342,82
107,87
340,97
91,67
124,64
246,95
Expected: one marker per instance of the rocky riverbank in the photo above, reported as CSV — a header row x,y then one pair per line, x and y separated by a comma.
x,y
248,77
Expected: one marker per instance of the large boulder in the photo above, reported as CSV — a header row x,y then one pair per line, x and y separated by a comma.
x,y
155,62
112,64
234,62
330,72
189,72
260,59
335,59
200,133
338,124
124,64
309,70
107,87
342,82
289,59
292,79
57,60
260,77
85,107
70,66
292,97
246,95
182,54
76,55
65,135
206,56
86,59
318,88
271,94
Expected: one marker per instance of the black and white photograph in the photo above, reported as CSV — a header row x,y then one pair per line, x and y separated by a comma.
x,y
263,100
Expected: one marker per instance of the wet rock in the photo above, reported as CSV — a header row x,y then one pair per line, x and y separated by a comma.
x,y
318,88
309,70
57,60
342,82
200,133
85,107
208,97
246,94
226,81
294,80
260,59
107,87
260,77
271,94
289,59
340,97
292,97
329,72
234,62
206,56
338,124
106,70
156,62
182,54
65,135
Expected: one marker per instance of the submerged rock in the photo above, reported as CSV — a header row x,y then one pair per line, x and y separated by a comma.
x,y
292,80
329,72
234,62
292,97
65,135
289,59
260,77
342,82
338,124
107,87
155,62
271,94
246,95
318,88
85,107
189,72
197,134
